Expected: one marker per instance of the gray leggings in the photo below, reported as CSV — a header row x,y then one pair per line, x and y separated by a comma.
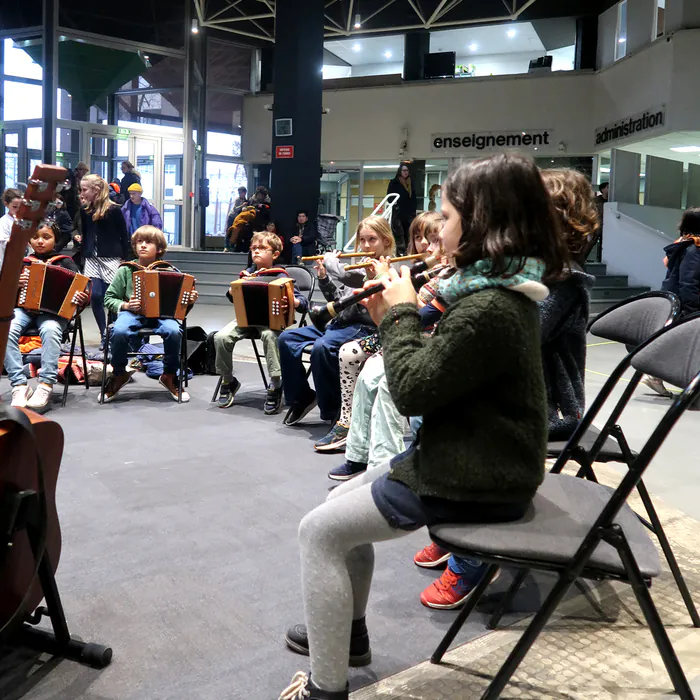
x,y
337,560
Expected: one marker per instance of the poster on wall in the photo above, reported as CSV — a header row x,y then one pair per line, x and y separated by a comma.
x,y
493,141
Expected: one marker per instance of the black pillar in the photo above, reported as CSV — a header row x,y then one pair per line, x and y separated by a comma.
x,y
586,43
203,200
416,46
298,96
50,66
267,58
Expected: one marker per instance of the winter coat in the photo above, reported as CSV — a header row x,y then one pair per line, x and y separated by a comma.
x,y
406,207
563,322
105,238
683,274
129,179
149,215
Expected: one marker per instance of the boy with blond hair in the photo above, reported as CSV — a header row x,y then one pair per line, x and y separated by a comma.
x,y
265,248
149,244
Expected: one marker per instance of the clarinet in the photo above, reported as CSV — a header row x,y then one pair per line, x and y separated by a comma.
x,y
421,272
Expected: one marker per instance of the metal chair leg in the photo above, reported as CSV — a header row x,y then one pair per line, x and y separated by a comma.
x,y
668,553
216,391
464,613
505,604
258,357
105,359
82,352
69,367
617,538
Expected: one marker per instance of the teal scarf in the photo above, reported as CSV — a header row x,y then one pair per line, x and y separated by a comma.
x,y
474,278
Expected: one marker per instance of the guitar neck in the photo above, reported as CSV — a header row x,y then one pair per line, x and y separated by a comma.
x,y
40,192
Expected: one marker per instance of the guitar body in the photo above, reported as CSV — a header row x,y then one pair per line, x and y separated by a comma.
x,y
18,472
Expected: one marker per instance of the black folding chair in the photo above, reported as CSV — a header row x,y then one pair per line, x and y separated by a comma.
x,y
577,528
74,328
306,284
629,322
143,334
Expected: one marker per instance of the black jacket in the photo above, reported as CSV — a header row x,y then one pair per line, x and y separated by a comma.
x,y
563,321
65,224
308,237
683,274
408,203
105,238
128,180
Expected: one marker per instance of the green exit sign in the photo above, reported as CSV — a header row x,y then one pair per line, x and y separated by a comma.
x,y
123,132
59,154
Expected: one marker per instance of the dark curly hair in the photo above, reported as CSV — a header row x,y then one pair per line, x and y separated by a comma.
x,y
507,214
572,195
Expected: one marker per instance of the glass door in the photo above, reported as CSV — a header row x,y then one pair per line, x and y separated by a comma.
x,y
146,153
11,158
225,178
173,196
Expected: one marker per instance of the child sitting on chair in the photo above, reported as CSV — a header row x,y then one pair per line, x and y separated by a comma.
x,y
149,244
265,248
50,327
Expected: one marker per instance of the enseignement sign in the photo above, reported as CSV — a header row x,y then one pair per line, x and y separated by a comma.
x,y
631,126
492,141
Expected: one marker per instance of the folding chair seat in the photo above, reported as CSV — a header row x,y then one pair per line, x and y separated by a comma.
x,y
609,452
579,529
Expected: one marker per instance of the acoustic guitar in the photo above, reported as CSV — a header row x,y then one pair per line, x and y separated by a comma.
x,y
19,586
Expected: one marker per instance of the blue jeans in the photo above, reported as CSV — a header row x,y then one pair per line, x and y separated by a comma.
x,y
325,367
50,329
125,329
296,253
466,568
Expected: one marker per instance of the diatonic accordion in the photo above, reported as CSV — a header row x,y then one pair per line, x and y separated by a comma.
x,y
163,293
259,302
52,289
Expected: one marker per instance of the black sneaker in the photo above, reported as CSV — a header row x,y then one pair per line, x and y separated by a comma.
x,y
297,640
273,401
228,392
335,440
302,688
347,471
299,410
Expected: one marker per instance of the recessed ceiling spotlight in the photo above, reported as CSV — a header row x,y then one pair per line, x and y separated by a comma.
x,y
356,48
512,33
473,47
388,54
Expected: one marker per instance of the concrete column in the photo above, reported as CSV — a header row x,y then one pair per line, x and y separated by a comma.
x,y
50,82
298,96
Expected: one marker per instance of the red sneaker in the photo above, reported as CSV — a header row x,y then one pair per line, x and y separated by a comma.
x,y
431,557
452,590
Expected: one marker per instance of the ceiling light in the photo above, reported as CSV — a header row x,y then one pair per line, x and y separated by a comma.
x,y
358,21
473,47
332,162
388,54
621,40
686,149
356,47
604,170
195,27
512,33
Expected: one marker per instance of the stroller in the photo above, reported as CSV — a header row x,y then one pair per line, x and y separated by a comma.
x,y
326,226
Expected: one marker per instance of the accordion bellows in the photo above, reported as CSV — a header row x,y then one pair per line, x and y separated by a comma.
x,y
259,302
163,293
52,289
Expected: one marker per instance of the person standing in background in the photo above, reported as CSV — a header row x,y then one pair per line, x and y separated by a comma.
x,y
130,178
11,198
138,211
405,208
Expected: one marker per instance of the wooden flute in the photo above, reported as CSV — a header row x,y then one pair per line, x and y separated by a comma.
x,y
402,258
310,258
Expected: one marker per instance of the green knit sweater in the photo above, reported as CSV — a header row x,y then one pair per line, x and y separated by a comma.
x,y
479,386
121,289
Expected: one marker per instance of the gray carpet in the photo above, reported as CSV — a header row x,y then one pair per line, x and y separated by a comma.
x,y
180,551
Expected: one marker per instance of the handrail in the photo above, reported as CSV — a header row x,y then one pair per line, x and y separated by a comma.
x,y
390,202
621,215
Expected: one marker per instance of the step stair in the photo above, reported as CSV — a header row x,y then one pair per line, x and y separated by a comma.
x,y
608,290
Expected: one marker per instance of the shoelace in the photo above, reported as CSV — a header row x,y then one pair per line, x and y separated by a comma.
x,y
447,580
298,689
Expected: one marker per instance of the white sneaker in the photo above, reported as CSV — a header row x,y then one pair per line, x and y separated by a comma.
x,y
655,384
20,395
41,397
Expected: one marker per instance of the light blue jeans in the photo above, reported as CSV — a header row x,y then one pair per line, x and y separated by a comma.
x,y
50,329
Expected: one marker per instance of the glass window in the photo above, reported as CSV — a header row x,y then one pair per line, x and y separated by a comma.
x,y
659,19
621,34
172,223
145,165
22,101
223,144
224,180
19,63
34,138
